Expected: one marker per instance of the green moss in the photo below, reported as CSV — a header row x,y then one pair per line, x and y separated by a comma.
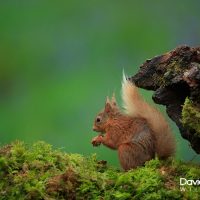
x,y
191,116
39,172
168,72
173,69
159,80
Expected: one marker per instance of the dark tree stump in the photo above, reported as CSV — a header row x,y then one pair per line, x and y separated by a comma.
x,y
175,78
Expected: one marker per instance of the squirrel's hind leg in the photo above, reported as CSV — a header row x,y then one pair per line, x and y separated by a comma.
x,y
132,155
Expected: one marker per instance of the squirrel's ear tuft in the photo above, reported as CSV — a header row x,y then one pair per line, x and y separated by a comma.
x,y
113,100
108,100
108,107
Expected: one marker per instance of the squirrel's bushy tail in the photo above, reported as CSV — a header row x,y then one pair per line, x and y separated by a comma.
x,y
135,106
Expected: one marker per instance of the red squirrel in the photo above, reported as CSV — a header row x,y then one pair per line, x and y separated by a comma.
x,y
138,134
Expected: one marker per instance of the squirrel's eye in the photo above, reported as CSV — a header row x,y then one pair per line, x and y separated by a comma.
x,y
98,119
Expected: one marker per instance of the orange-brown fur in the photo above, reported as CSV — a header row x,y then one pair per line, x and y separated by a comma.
x,y
122,133
137,136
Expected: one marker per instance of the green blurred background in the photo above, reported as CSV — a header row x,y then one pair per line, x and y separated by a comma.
x,y
60,59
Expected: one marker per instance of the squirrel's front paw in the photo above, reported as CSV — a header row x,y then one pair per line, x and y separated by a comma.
x,y
97,140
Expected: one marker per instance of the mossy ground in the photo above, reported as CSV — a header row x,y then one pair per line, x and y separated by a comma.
x,y
39,172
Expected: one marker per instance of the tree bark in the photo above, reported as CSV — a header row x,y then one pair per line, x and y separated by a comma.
x,y
175,78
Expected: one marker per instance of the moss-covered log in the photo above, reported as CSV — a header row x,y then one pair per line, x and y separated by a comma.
x,y
39,172
175,78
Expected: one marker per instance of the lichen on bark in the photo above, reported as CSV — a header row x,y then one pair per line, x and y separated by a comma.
x,y
191,116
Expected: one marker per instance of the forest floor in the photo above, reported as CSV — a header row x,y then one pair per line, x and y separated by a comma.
x,y
40,172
